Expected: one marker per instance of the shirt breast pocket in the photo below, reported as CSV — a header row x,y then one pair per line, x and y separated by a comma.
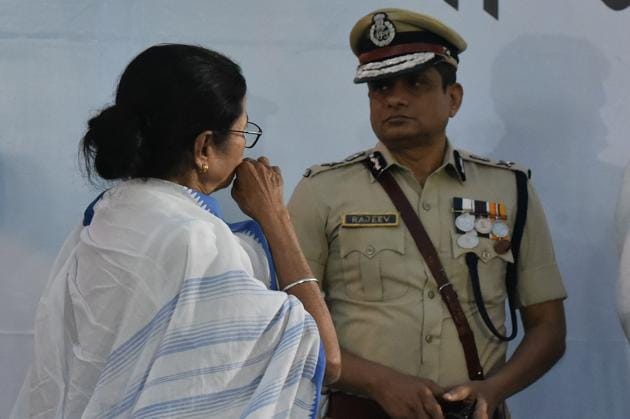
x,y
372,259
491,267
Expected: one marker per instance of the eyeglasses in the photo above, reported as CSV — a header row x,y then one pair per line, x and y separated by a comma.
x,y
251,133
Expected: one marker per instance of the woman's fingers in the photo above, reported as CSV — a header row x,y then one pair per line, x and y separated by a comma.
x,y
264,160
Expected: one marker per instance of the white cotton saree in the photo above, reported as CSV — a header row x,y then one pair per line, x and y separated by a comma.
x,y
155,308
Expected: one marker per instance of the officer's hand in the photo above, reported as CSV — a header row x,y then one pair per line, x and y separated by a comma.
x,y
257,188
404,396
482,391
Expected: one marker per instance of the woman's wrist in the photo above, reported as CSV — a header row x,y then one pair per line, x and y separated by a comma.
x,y
298,282
272,221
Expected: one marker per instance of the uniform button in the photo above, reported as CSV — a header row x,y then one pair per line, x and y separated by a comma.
x,y
431,294
426,206
370,250
429,338
485,254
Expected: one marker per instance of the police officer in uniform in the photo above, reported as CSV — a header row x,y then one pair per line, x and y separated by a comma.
x,y
400,348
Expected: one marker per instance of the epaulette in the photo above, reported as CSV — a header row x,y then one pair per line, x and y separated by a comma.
x,y
351,159
501,164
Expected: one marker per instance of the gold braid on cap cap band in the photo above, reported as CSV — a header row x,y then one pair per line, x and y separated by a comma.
x,y
401,49
298,282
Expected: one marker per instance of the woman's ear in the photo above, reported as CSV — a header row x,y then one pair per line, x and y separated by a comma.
x,y
456,94
203,150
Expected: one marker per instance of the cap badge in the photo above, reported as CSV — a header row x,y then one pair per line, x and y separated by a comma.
x,y
382,31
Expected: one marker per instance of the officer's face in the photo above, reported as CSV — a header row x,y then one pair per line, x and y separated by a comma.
x,y
412,109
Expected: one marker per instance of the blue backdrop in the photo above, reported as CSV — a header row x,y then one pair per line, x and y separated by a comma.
x,y
546,85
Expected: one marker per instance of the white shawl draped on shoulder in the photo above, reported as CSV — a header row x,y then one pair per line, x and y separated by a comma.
x,y
155,308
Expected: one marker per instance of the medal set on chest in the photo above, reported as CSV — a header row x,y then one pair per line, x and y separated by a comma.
x,y
475,219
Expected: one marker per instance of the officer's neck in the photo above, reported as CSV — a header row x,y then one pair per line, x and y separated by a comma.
x,y
422,159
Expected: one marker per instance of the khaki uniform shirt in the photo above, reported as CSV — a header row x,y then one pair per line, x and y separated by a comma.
x,y
384,302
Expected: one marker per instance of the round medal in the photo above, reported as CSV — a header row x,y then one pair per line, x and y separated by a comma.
x,y
483,225
468,240
465,222
502,246
500,229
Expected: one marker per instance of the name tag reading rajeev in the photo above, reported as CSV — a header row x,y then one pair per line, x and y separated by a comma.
x,y
370,220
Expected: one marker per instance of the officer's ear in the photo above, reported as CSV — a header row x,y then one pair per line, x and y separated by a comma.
x,y
455,93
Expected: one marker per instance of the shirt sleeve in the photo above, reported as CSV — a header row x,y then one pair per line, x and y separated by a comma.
x,y
539,278
309,219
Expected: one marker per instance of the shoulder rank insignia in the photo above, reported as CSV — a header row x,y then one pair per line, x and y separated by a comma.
x,y
502,164
479,158
354,156
319,168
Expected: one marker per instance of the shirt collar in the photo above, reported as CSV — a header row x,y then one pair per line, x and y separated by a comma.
x,y
452,161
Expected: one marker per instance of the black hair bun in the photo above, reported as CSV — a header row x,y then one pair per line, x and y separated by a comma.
x,y
114,140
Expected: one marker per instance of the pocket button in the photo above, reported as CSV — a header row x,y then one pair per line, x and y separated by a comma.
x,y
370,250
431,294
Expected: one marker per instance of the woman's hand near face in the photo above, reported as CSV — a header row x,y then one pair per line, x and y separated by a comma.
x,y
258,189
258,192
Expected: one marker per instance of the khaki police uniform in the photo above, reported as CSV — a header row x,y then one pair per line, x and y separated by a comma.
x,y
384,302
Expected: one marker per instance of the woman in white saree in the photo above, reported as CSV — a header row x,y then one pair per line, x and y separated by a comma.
x,y
156,307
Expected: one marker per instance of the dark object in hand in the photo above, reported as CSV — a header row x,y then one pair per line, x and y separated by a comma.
x,y
458,410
